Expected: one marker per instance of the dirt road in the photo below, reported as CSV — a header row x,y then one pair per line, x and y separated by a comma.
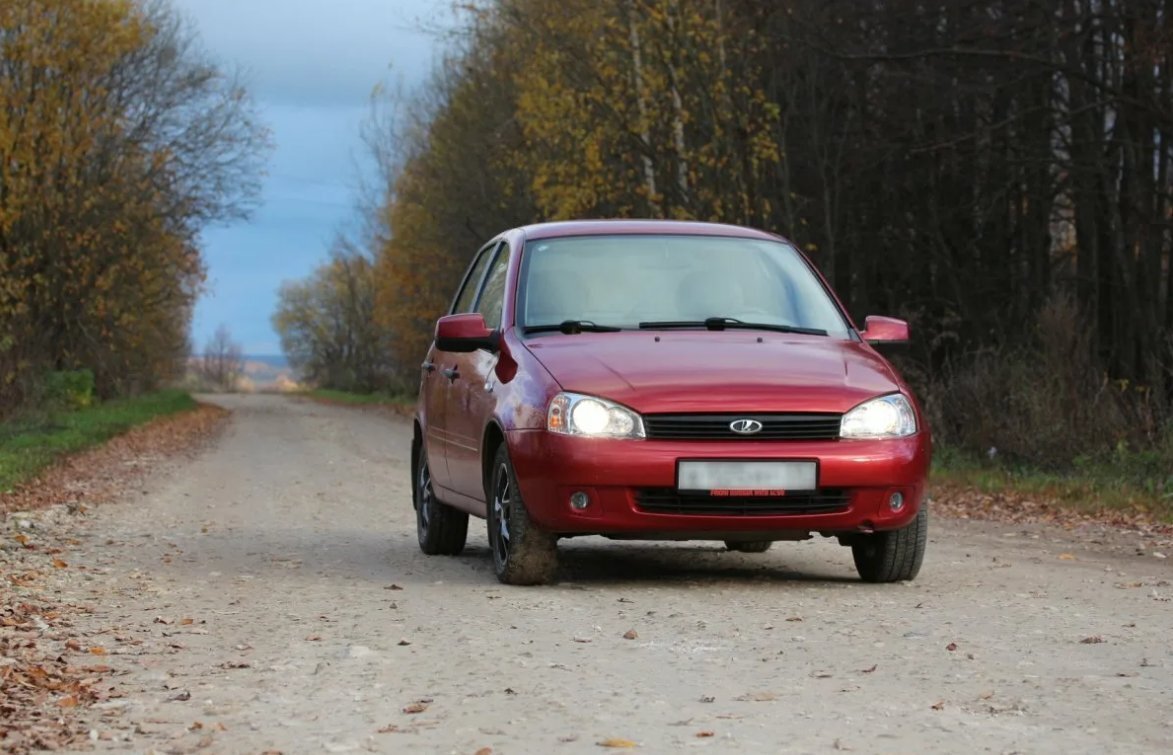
x,y
315,621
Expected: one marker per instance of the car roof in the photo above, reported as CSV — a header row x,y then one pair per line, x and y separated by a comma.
x,y
650,227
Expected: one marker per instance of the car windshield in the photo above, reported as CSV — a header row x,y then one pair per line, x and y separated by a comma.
x,y
598,283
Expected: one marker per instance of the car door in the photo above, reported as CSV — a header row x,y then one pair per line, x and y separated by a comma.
x,y
434,383
470,399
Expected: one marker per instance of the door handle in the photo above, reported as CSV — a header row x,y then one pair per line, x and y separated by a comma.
x,y
450,372
428,366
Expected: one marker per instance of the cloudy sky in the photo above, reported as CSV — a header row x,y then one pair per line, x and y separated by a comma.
x,y
311,66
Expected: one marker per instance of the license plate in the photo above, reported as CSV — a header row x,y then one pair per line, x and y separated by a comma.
x,y
746,477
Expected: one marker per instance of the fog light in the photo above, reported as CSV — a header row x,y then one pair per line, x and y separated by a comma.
x,y
896,501
579,500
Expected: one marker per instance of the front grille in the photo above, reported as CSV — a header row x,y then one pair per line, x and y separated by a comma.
x,y
716,426
671,501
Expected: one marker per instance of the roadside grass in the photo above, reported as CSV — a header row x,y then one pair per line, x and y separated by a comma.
x,y
31,444
361,399
1129,482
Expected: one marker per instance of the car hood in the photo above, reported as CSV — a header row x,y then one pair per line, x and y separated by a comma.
x,y
720,371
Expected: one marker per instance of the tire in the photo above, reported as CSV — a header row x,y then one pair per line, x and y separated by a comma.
x,y
748,546
523,554
441,529
892,556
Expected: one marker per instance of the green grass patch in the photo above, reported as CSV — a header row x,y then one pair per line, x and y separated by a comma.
x,y
30,444
1126,481
361,399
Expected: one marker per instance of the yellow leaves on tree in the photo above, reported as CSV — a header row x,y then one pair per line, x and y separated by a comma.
x,y
99,207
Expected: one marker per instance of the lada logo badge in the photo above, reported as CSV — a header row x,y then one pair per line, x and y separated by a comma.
x,y
745,426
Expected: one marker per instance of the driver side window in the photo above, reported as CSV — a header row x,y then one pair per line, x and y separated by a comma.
x,y
492,299
472,282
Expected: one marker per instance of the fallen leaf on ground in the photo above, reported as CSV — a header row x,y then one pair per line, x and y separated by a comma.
x,y
951,646
1066,556
485,751
59,564
97,650
617,743
939,705
418,706
868,670
705,734
630,634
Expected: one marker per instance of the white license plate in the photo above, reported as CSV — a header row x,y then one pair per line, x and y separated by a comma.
x,y
728,477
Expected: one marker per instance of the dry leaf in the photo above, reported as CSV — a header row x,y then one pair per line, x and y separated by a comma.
x,y
951,646
485,751
868,670
1066,556
617,743
59,564
97,650
417,707
704,734
313,637
939,705
630,634
185,622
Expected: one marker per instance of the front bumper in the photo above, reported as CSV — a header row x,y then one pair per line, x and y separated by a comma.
x,y
550,467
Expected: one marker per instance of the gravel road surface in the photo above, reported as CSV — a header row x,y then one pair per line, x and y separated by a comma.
x,y
269,595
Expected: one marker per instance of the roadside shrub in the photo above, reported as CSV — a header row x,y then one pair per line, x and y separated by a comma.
x,y
67,390
1047,403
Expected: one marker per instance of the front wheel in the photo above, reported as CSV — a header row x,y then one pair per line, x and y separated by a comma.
x,y
442,530
895,555
523,554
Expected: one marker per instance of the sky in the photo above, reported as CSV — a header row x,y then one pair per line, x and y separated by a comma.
x,y
311,66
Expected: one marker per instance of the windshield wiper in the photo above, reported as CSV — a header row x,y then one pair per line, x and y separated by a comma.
x,y
570,327
725,323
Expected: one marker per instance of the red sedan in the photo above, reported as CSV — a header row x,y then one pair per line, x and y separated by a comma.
x,y
663,380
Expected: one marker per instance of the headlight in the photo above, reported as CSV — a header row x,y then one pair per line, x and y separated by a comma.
x,y
884,417
575,414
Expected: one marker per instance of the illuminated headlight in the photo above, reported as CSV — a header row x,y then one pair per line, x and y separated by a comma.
x,y
575,414
884,417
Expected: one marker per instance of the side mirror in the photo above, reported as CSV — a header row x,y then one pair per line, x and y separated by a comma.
x,y
884,330
465,333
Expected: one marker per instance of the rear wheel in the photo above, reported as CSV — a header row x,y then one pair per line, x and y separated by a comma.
x,y
748,546
523,554
442,530
895,555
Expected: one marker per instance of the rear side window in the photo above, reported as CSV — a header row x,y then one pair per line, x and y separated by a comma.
x,y
493,297
472,281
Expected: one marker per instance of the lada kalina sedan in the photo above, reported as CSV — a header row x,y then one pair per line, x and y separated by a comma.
x,y
667,381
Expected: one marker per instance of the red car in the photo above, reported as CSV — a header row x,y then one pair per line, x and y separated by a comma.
x,y
663,380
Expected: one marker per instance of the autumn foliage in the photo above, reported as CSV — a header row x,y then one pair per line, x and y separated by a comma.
x,y
118,142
